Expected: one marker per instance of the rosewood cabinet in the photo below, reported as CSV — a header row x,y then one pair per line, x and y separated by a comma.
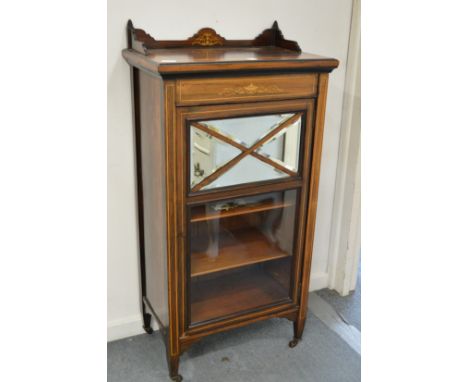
x,y
228,138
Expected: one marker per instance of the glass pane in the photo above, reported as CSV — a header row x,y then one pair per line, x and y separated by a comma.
x,y
246,171
241,254
284,147
208,154
248,129
215,144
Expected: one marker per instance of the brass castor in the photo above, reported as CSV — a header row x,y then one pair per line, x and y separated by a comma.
x,y
293,342
177,378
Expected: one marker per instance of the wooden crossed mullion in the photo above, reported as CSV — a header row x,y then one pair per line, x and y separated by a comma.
x,y
245,151
241,147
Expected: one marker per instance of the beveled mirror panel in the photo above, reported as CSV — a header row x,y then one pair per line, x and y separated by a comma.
x,y
233,151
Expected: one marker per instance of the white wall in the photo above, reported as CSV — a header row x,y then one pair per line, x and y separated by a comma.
x,y
320,26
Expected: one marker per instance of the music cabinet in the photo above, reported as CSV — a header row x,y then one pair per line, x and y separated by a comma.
x,y
228,137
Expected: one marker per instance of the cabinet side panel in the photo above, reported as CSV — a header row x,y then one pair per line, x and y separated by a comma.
x,y
154,193
313,195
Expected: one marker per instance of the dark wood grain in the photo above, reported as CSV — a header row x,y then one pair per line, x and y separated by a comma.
x,y
207,37
152,195
254,249
200,215
194,91
214,298
285,309
207,76
187,61
312,205
173,257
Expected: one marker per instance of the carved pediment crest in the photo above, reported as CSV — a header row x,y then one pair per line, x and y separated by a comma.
x,y
206,37
142,42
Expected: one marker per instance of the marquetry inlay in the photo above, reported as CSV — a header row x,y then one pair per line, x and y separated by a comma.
x,y
250,89
207,37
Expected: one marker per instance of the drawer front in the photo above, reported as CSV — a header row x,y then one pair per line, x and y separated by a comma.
x,y
245,89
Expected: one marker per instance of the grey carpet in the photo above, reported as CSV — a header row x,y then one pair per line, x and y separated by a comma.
x,y
348,307
257,353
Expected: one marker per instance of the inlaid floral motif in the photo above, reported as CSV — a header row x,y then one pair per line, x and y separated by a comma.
x,y
250,89
207,37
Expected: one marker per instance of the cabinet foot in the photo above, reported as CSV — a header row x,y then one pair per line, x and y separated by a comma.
x,y
298,329
174,368
147,323
293,342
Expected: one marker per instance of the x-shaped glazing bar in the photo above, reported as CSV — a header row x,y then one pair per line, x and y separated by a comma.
x,y
245,150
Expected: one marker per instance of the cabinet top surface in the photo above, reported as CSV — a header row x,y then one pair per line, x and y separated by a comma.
x,y
207,51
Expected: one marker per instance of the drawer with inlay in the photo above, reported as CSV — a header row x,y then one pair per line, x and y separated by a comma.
x,y
244,89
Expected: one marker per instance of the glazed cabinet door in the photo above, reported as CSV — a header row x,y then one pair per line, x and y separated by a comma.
x,y
244,175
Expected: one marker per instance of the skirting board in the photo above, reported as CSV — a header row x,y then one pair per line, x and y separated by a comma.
x,y
132,325
125,327
318,281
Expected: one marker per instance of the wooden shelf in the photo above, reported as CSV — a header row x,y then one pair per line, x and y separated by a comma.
x,y
242,248
200,215
234,293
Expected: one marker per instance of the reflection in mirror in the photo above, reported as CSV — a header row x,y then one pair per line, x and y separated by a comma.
x,y
233,151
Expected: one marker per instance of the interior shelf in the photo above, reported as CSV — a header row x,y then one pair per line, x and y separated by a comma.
x,y
200,214
247,247
234,293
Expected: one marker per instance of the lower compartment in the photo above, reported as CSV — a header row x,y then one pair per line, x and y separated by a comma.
x,y
233,292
